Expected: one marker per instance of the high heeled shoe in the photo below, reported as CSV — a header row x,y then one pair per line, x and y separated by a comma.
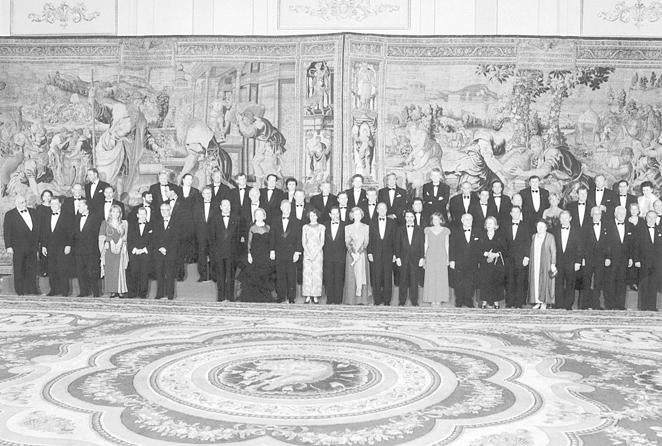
x,y
307,300
483,305
536,307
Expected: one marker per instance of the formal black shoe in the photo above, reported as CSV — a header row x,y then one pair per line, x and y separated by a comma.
x,y
171,298
83,295
51,294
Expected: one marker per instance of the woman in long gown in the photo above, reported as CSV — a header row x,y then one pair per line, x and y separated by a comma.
x,y
492,270
542,269
189,197
357,277
43,216
312,239
436,289
632,274
552,213
114,254
258,278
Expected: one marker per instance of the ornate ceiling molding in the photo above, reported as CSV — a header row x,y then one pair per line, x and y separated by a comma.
x,y
64,14
638,13
357,10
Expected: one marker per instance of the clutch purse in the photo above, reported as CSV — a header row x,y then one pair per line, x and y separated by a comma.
x,y
552,274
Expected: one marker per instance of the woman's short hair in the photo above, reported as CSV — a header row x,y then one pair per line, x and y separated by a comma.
x,y
356,208
492,218
264,213
437,214
314,211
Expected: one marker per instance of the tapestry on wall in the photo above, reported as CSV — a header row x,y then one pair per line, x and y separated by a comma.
x,y
327,107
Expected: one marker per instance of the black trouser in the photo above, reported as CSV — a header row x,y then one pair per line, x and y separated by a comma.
x,y
408,284
465,286
334,281
589,296
565,286
381,279
165,267
648,283
616,287
516,278
25,271
139,270
88,270
286,280
225,279
58,272
204,258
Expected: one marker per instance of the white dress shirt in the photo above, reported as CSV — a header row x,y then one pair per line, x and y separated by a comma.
x,y
382,227
535,199
27,218
596,230
54,219
565,234
83,219
466,202
599,194
410,233
621,230
334,229
207,209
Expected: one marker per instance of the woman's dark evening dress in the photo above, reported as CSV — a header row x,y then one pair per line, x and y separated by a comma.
x,y
491,277
189,246
258,278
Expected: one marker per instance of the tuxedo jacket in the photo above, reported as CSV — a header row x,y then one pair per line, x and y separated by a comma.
x,y
86,240
154,213
242,209
628,200
527,204
573,250
520,246
202,225
304,214
596,251
410,253
17,234
135,240
456,207
335,250
382,249
621,251
645,251
399,204
94,202
285,242
166,237
480,214
115,203
465,255
63,234
608,199
157,199
351,202
502,213
223,192
317,201
69,206
436,203
271,206
222,239
367,218
573,208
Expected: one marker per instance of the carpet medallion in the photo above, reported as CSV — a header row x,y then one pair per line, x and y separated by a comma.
x,y
95,372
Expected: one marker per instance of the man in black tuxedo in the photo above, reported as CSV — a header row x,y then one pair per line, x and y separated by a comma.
x,y
335,252
463,259
395,198
463,203
299,207
241,203
535,200
71,204
21,234
219,190
356,195
436,195
597,260
109,202
580,210
291,185
203,216
370,207
94,190
324,201
270,198
86,251
420,219
160,191
499,203
381,254
165,252
518,241
286,250
223,242
621,236
648,258
568,240
56,240
624,197
139,246
147,200
410,258
602,196
343,207
179,218
483,210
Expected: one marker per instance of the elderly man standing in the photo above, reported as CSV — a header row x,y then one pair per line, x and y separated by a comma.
x,y
21,237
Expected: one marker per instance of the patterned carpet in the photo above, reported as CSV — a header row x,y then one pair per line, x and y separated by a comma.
x,y
101,372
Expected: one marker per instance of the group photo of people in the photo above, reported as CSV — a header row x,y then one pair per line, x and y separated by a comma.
x,y
360,246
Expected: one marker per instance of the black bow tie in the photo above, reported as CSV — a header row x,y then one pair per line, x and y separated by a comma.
x,y
343,207
391,189
465,197
565,228
141,224
497,196
23,211
619,223
77,199
382,218
109,202
299,205
226,216
651,227
596,224
483,204
534,191
515,223
467,230
166,221
334,222
624,195
146,206
410,226
372,204
242,188
56,213
83,215
599,190
286,218
581,204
